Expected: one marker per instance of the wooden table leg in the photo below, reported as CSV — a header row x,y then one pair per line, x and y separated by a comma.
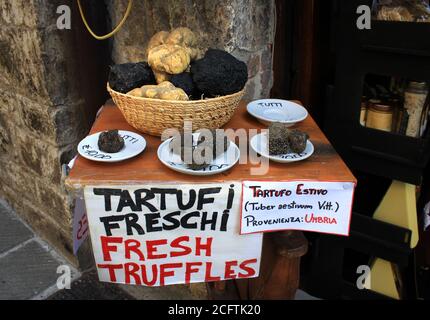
x,y
283,277
222,290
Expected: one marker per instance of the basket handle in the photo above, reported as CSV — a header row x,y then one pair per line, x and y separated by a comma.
x,y
117,28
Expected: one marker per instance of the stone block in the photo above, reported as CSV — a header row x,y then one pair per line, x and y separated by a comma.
x,y
5,138
18,13
41,157
59,236
70,126
28,114
59,61
12,231
27,272
21,47
16,177
51,200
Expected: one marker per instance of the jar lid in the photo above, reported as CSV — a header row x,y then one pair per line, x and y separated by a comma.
x,y
374,101
418,85
382,107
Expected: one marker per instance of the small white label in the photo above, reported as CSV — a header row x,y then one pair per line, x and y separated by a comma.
x,y
297,205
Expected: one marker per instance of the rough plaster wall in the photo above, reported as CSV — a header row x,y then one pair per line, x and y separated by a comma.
x,y
243,27
41,115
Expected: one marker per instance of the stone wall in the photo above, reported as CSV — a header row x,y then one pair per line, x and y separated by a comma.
x,y
42,115
46,97
243,27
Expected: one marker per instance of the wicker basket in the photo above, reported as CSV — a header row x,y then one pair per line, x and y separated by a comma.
x,y
153,116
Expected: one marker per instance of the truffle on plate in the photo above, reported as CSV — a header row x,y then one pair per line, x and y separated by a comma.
x,y
127,76
110,141
298,141
215,140
195,154
184,146
283,140
278,139
219,74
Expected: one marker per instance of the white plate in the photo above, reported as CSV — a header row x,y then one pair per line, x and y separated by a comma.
x,y
276,110
134,144
260,144
222,163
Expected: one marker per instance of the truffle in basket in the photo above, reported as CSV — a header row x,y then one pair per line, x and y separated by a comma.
x,y
171,59
185,82
219,73
161,76
185,38
164,91
110,141
283,140
157,40
182,36
127,76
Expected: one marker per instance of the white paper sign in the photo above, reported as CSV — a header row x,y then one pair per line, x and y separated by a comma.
x,y
157,235
426,213
297,205
80,225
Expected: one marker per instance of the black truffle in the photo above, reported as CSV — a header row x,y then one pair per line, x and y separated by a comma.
x,y
213,140
110,141
297,141
219,74
185,82
185,148
178,143
278,139
283,140
128,76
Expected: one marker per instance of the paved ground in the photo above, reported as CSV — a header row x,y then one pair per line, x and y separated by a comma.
x,y
87,287
28,266
28,270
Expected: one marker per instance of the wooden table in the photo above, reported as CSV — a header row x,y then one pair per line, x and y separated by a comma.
x,y
281,251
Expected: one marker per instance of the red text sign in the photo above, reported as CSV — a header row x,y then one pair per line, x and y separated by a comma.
x,y
168,234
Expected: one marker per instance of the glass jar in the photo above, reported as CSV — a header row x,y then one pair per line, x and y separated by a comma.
x,y
395,102
363,111
379,116
415,98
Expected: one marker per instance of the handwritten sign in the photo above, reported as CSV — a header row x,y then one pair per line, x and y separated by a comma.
x,y
426,216
80,225
156,235
297,205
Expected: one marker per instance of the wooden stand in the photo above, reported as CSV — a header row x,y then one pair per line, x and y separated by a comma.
x,y
280,267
